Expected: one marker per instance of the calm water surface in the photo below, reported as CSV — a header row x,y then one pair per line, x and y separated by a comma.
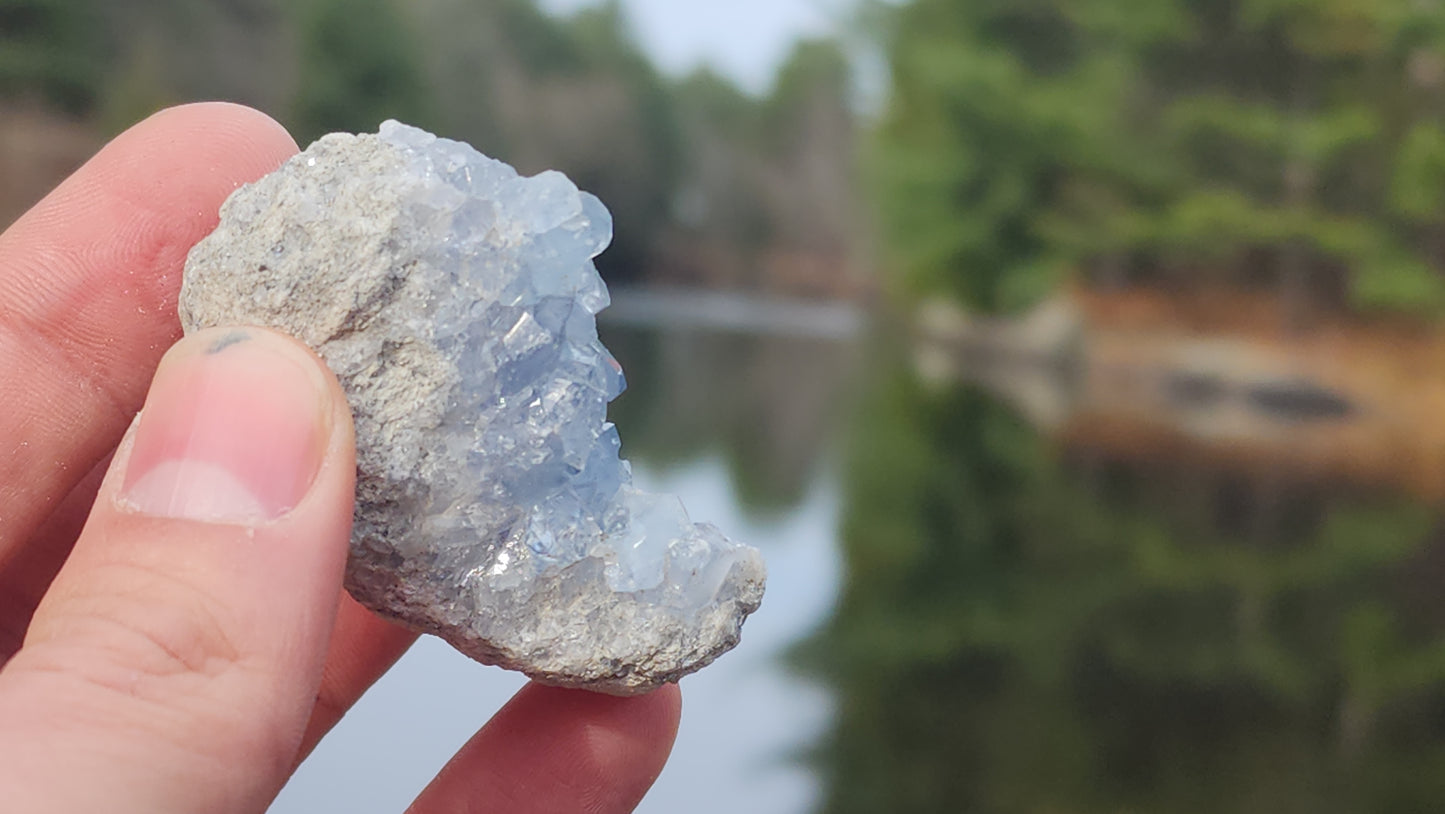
x,y
969,612
713,415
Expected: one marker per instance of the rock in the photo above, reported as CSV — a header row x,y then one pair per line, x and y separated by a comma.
x,y
456,300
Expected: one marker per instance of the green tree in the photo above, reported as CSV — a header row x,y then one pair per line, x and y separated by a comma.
x,y
1261,143
360,64
770,181
53,51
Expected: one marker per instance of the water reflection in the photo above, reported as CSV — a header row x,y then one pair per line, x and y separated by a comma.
x,y
984,599
742,427
770,405
1034,623
761,410
748,718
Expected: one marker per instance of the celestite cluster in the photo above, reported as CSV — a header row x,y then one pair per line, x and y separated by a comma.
x,y
456,301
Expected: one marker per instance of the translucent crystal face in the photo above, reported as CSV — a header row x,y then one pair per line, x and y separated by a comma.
x,y
456,302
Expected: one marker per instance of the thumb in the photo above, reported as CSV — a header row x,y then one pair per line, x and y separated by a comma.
x,y
174,661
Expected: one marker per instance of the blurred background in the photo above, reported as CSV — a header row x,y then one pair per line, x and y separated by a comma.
x,y
1078,364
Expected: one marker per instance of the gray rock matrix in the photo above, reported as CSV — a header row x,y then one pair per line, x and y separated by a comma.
x,y
456,301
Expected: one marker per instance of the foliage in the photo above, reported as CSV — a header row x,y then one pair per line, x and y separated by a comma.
x,y
361,65
766,178
1024,628
51,48
539,91
1295,143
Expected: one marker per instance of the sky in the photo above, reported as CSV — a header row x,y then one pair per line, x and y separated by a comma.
x,y
745,40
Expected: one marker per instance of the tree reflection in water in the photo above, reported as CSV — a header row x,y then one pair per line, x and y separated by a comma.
x,y
1035,628
771,405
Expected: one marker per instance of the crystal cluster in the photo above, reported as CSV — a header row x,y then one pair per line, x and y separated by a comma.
x,y
456,301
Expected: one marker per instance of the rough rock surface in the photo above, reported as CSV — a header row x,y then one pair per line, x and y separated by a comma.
x,y
456,302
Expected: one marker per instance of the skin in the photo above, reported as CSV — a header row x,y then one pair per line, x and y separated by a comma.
x,y
161,660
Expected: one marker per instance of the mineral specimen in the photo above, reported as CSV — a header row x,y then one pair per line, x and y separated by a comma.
x,y
456,301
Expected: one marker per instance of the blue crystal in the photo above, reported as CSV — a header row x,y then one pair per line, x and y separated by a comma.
x,y
456,301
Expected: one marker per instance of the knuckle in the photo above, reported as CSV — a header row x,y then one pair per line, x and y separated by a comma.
x,y
144,627
142,652
153,656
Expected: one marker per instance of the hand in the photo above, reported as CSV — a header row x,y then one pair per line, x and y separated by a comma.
x,y
172,630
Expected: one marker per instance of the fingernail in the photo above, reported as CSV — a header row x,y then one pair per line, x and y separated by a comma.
x,y
233,430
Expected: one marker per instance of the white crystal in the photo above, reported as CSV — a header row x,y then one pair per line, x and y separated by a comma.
x,y
455,301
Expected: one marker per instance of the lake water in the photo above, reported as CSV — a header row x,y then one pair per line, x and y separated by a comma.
x,y
972,608
737,411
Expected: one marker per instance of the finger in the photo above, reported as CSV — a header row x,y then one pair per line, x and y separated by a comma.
x,y
25,579
562,751
175,660
88,285
363,646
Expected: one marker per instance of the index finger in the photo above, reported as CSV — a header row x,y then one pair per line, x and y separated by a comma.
x,y
88,286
